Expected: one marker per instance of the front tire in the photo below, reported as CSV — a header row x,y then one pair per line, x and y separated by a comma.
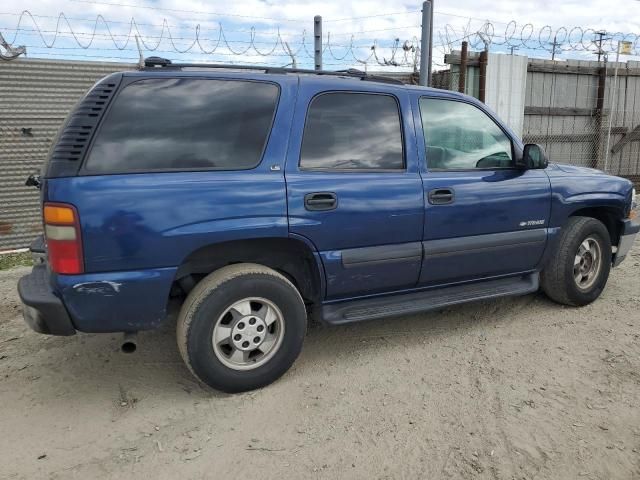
x,y
241,327
578,269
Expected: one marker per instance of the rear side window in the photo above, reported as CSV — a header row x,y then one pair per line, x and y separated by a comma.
x,y
352,131
181,123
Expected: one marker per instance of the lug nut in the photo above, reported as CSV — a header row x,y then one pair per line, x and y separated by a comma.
x,y
240,326
260,328
237,337
256,340
252,321
245,344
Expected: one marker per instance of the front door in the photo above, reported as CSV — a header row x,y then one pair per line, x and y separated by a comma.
x,y
483,216
353,186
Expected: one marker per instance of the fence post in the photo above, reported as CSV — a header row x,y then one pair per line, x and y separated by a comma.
x,y
462,79
613,104
317,41
430,62
484,59
602,83
425,44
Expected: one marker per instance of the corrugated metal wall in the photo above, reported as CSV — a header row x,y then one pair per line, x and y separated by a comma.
x,y
35,97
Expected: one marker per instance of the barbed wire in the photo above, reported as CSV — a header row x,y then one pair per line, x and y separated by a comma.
x,y
207,44
527,37
398,53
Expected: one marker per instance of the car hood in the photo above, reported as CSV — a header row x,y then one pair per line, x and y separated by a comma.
x,y
576,170
571,180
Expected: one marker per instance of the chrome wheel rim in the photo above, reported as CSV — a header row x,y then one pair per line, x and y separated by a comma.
x,y
248,333
587,263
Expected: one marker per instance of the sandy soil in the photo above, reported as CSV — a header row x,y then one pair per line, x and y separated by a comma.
x,y
517,388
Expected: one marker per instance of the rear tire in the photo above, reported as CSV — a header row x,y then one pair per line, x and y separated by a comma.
x,y
578,269
241,327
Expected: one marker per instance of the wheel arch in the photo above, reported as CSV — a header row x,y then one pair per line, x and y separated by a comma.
x,y
609,215
296,259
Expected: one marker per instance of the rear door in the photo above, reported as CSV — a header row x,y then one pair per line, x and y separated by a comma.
x,y
483,216
353,186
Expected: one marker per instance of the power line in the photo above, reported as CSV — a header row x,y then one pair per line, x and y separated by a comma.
x,y
410,12
177,10
375,31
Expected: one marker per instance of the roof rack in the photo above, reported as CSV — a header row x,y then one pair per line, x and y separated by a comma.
x,y
151,63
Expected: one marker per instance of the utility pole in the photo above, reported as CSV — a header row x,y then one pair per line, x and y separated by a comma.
x,y
425,44
317,41
601,35
554,45
430,64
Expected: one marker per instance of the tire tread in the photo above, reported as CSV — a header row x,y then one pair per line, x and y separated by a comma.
x,y
553,277
202,289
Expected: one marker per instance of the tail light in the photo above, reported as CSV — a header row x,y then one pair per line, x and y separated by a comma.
x,y
64,244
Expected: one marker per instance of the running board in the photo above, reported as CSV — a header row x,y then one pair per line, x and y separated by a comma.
x,y
408,303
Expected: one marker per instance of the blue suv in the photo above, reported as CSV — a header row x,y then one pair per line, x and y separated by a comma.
x,y
257,198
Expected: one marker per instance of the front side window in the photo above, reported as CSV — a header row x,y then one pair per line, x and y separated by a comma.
x,y
185,123
352,131
458,135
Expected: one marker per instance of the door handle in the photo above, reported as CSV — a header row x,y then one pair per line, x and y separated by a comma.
x,y
318,201
441,196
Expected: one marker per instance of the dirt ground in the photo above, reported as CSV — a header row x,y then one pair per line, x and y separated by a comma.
x,y
516,388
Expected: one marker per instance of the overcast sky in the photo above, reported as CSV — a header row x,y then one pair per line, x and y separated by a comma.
x,y
368,22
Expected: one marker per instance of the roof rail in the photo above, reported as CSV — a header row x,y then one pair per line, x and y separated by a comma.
x,y
151,63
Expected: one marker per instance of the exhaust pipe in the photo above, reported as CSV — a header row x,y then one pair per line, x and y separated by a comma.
x,y
129,342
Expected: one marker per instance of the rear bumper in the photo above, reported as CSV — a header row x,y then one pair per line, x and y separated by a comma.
x,y
42,310
93,302
116,301
628,235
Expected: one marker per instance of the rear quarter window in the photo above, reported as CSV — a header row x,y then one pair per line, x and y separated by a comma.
x,y
185,124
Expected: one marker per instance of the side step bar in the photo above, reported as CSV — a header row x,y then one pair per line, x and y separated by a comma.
x,y
408,303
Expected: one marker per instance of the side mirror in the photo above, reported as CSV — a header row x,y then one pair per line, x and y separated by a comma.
x,y
533,157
